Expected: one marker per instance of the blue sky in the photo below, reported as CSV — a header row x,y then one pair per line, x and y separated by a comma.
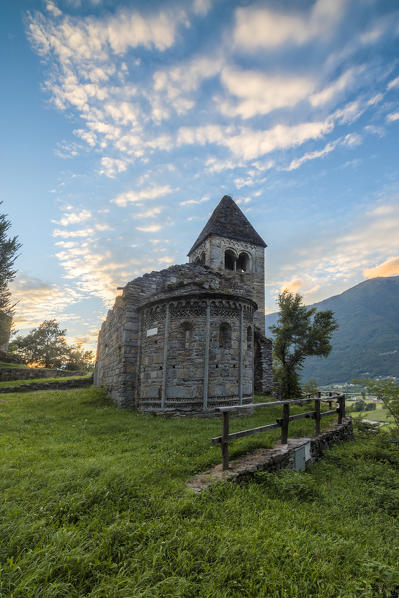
x,y
124,123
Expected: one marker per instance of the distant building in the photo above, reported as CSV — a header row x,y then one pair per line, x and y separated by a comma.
x,y
190,338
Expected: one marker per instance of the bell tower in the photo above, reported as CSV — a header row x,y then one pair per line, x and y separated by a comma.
x,y
228,243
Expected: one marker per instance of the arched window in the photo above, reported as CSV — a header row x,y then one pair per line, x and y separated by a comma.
x,y
187,332
225,335
197,260
249,338
243,262
202,258
229,260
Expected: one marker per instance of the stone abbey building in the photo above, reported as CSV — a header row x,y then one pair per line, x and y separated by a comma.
x,y
191,338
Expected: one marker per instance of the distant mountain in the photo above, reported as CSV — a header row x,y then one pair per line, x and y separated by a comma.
x,y
367,340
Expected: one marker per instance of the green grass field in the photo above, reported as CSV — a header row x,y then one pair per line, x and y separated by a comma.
x,y
94,503
380,414
5,364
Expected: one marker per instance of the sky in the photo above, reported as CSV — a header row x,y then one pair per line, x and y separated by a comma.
x,y
123,123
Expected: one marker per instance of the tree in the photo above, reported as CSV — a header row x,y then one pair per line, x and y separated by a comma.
x,y
79,358
310,387
388,392
299,333
8,254
46,346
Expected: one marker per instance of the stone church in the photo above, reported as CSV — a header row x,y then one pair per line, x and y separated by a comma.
x,y
191,338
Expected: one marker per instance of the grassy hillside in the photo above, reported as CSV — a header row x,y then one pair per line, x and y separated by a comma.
x,y
367,340
94,504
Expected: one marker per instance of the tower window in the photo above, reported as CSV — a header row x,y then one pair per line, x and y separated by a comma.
x,y
229,260
225,335
243,262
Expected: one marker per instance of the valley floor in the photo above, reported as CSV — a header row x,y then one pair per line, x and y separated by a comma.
x,y
94,504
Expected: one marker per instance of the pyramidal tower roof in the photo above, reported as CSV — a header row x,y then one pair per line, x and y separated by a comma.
x,y
228,221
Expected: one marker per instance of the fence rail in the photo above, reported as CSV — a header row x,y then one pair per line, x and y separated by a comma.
x,y
282,422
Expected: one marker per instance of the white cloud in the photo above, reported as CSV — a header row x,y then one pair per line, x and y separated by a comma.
x,y
190,202
393,83
150,213
257,27
260,93
311,156
249,144
112,166
392,117
65,234
53,9
145,194
151,228
331,91
75,217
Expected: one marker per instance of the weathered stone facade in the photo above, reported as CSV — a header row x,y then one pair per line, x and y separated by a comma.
x,y
184,339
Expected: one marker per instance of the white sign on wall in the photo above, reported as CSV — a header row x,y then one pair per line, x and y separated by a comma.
x,y
152,331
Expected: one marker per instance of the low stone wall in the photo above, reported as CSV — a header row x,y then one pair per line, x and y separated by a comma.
x,y
61,385
281,456
7,374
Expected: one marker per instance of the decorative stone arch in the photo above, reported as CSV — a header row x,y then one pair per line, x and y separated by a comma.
x,y
230,260
243,263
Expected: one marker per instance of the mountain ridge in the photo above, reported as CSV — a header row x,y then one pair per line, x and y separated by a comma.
x,y
367,340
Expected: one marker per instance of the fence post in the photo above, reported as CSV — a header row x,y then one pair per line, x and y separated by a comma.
x,y
330,402
341,408
284,423
225,439
317,415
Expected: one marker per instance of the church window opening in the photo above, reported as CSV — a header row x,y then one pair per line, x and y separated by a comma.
x,y
229,260
249,338
225,335
202,258
187,331
243,262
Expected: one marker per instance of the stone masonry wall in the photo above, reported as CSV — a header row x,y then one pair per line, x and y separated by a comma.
x,y
7,374
118,343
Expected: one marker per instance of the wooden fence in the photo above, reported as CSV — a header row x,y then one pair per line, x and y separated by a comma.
x,y
282,422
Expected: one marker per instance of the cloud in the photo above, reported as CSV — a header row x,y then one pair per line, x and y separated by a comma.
x,y
38,300
260,93
151,228
393,83
145,194
150,213
190,202
333,258
67,234
392,117
112,166
249,144
257,27
331,91
311,156
75,217
388,268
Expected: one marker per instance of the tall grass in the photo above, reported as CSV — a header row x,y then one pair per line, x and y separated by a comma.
x,y
94,504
